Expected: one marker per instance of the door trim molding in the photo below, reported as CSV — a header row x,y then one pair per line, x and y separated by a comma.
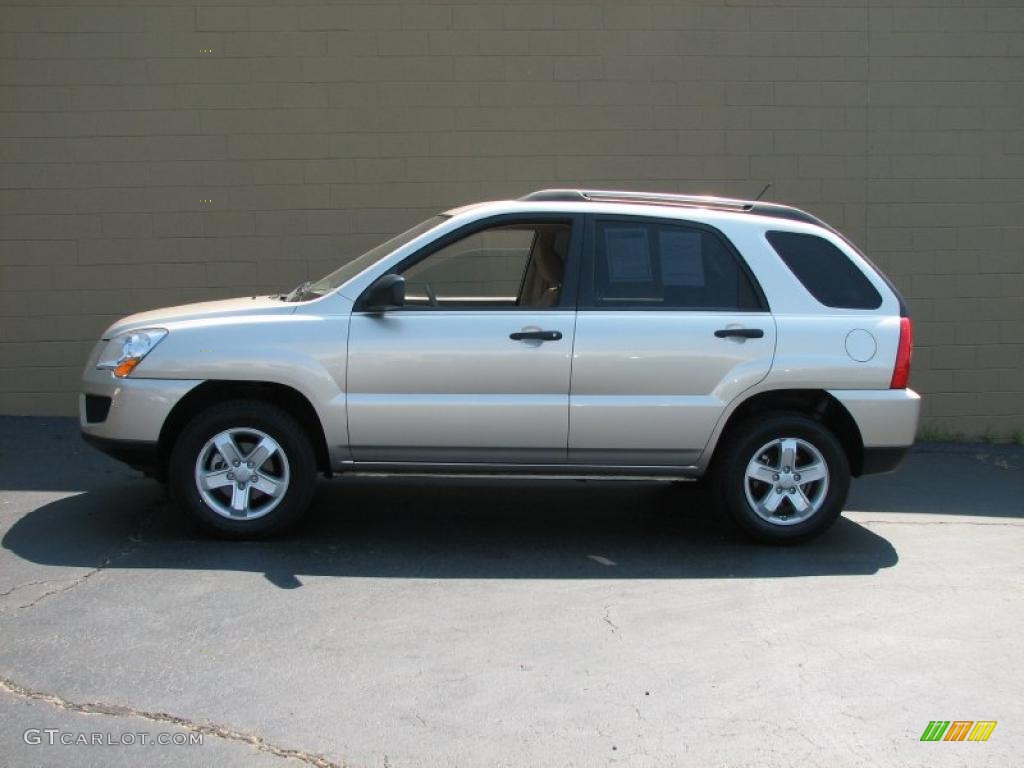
x,y
605,471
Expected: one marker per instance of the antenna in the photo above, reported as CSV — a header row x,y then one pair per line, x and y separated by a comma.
x,y
761,193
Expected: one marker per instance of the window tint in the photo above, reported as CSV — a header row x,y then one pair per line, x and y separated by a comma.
x,y
825,271
518,265
639,264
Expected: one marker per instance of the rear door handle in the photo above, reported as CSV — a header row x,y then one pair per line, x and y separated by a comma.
x,y
742,333
535,336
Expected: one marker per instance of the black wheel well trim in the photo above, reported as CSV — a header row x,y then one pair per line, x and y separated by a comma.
x,y
818,404
213,391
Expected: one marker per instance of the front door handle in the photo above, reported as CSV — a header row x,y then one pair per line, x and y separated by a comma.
x,y
535,336
742,333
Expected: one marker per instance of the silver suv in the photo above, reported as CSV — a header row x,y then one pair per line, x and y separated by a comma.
x,y
567,333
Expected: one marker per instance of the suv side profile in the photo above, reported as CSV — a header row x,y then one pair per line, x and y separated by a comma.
x,y
575,333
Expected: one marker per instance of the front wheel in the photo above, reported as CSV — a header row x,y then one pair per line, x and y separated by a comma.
x,y
243,469
782,477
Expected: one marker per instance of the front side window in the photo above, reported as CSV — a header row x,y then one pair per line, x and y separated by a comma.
x,y
508,266
666,266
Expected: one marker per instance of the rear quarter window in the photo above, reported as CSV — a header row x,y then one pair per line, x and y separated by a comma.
x,y
825,271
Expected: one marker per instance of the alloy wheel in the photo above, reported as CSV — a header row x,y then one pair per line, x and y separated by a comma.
x,y
786,481
242,473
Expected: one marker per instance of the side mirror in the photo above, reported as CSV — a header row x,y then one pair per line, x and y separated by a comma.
x,y
388,292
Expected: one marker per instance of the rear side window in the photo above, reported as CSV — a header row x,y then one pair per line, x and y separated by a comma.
x,y
825,271
647,265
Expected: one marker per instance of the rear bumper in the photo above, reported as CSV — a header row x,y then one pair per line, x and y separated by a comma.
x,y
886,418
887,421
880,460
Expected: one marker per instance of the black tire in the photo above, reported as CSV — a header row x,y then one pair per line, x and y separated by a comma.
x,y
293,442
742,445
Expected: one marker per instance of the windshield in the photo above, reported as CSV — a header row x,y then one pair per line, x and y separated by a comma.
x,y
346,272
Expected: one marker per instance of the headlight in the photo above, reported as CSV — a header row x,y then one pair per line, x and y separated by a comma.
x,y
126,350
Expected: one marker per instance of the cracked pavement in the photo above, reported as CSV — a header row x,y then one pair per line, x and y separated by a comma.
x,y
531,623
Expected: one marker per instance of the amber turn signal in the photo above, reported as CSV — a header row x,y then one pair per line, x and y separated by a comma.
x,y
126,366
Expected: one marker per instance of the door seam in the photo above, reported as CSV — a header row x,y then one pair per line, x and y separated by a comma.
x,y
584,239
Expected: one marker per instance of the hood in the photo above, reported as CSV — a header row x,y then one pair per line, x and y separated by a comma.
x,y
159,318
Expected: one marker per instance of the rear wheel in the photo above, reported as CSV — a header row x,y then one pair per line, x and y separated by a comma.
x,y
243,469
782,477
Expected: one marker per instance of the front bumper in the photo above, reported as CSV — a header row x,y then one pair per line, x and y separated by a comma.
x,y
123,417
138,454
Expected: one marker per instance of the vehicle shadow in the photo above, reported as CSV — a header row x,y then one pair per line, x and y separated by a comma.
x,y
444,529
948,479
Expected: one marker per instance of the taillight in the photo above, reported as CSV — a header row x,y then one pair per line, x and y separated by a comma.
x,y
901,371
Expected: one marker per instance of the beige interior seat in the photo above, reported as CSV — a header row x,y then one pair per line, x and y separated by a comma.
x,y
543,284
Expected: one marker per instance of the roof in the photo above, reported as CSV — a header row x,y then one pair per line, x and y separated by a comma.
x,y
727,204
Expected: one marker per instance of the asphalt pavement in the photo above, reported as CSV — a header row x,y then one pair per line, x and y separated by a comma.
x,y
478,622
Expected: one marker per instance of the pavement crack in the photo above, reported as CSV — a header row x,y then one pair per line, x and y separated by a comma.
x,y
26,585
607,619
66,587
133,542
227,733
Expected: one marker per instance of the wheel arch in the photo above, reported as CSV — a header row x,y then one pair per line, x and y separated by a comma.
x,y
211,392
815,403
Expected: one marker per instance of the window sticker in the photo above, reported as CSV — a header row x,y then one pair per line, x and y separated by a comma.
x,y
628,253
682,261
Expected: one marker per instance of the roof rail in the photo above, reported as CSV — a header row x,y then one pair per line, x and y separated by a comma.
x,y
661,198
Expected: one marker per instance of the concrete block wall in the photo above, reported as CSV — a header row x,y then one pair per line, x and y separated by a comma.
x,y
155,152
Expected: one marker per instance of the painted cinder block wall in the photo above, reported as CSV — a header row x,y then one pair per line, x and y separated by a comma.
x,y
154,152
